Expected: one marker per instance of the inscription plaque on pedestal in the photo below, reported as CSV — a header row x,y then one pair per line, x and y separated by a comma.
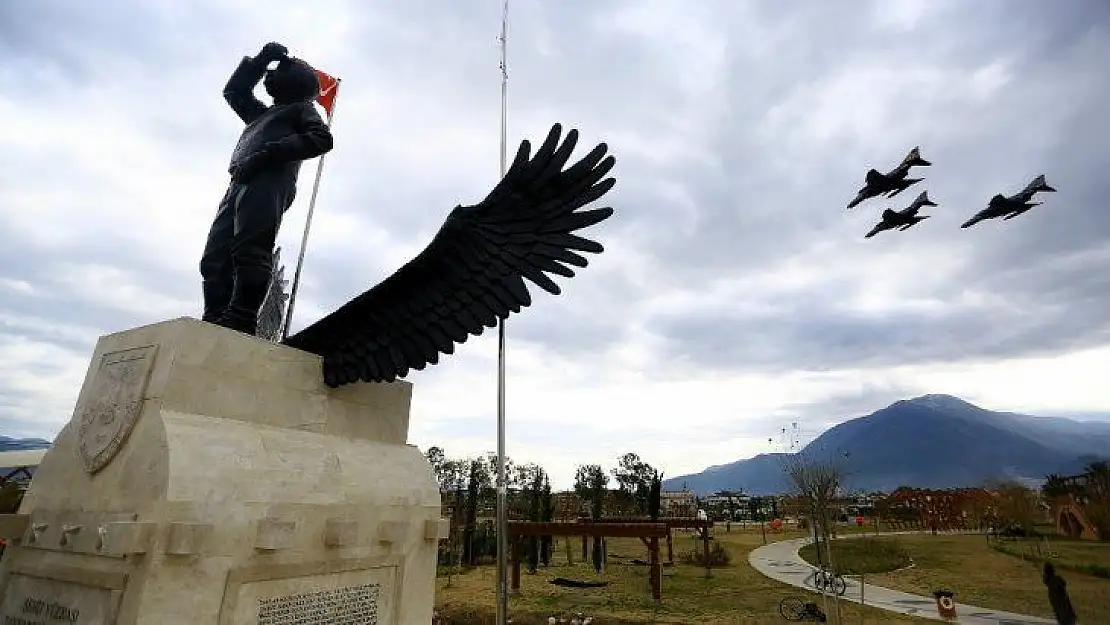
x,y
360,597
38,601
346,605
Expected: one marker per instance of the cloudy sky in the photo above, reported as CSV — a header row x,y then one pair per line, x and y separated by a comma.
x,y
736,293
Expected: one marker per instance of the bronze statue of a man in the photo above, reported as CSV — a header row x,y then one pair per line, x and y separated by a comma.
x,y
237,260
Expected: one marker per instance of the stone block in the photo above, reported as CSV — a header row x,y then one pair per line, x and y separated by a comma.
x,y
211,478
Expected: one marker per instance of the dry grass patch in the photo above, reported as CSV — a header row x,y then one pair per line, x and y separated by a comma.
x,y
864,555
984,577
1081,556
734,594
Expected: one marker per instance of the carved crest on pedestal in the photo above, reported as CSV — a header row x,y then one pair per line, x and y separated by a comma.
x,y
112,404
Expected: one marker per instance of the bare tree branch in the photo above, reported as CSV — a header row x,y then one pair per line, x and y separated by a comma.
x,y
818,483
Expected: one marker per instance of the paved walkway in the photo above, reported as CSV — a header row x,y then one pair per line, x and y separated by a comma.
x,y
780,561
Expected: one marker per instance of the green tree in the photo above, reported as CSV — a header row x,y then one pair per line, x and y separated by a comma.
x,y
452,475
11,495
633,477
1017,504
655,496
477,487
535,513
435,457
548,516
1097,495
1054,486
522,481
589,483
755,507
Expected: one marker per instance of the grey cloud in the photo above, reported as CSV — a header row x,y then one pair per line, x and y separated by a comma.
x,y
753,214
810,332
84,41
764,215
737,148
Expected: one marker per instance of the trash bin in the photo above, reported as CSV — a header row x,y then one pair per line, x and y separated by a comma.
x,y
946,605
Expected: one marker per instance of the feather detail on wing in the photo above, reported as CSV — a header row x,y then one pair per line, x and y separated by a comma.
x,y
473,271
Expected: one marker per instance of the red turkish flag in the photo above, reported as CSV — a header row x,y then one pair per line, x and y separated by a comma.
x,y
329,88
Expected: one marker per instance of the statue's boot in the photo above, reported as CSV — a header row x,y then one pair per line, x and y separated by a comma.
x,y
217,295
251,283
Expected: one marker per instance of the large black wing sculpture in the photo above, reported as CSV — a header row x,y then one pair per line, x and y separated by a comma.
x,y
473,271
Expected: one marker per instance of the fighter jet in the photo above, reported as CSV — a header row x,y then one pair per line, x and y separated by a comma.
x,y
1010,207
903,219
891,183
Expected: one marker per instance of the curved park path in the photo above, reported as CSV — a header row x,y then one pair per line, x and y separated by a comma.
x,y
780,561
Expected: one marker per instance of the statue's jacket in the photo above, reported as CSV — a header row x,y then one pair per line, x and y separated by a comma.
x,y
295,129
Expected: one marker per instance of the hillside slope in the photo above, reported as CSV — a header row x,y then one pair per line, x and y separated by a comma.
x,y
18,444
936,441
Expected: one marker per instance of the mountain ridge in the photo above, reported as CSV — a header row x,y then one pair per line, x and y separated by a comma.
x,y
8,443
933,441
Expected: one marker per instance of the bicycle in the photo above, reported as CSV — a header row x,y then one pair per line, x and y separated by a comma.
x,y
830,581
795,609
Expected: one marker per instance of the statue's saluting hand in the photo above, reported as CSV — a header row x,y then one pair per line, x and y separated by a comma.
x,y
272,51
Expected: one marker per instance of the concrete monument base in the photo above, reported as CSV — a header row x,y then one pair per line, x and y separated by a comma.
x,y
208,477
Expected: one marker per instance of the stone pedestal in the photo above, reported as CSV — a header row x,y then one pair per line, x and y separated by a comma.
x,y
207,478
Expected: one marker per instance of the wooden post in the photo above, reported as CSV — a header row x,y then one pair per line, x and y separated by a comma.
x,y
670,546
585,552
514,548
517,530
656,572
705,549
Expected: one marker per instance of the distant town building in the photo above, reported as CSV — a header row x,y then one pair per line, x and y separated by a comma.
x,y
677,503
568,506
726,504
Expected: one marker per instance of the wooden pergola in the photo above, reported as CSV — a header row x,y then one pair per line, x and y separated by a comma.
x,y
648,533
702,526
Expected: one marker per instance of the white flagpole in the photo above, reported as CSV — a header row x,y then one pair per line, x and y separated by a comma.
x,y
307,225
502,485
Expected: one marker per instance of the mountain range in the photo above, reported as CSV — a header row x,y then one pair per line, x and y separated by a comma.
x,y
19,444
932,441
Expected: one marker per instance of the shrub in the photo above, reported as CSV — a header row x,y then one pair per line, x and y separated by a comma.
x,y
11,495
718,556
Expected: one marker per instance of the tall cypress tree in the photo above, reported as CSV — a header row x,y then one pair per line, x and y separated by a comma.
x,y
655,496
457,521
548,515
473,492
589,482
535,512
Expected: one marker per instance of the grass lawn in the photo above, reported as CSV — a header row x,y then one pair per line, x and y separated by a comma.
x,y
735,594
1081,556
984,577
862,555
